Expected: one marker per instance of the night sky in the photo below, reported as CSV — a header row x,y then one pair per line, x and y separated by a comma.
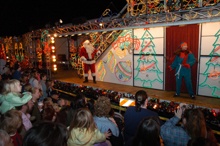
x,y
20,17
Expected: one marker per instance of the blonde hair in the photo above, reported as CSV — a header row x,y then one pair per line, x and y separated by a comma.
x,y
83,119
10,86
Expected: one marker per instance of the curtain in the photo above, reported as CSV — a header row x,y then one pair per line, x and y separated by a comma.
x,y
174,36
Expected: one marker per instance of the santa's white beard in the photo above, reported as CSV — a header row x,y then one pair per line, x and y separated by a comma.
x,y
89,50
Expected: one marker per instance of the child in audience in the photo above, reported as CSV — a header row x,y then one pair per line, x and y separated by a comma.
x,y
83,131
11,123
12,96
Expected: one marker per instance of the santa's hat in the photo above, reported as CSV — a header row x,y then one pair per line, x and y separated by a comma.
x,y
183,44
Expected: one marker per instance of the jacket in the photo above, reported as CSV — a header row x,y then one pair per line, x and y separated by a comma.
x,y
11,100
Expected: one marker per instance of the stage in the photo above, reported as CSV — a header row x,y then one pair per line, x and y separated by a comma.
x,y
70,76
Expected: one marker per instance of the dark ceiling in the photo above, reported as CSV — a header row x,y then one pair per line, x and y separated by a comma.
x,y
20,17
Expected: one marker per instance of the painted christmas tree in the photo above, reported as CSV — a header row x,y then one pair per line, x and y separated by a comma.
x,y
146,69
212,72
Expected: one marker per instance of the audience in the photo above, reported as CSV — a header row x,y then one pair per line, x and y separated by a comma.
x,y
31,118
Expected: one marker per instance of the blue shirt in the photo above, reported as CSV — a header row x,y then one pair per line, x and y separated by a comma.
x,y
173,135
104,124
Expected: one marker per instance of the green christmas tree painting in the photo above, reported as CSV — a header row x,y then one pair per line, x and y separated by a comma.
x,y
212,72
147,72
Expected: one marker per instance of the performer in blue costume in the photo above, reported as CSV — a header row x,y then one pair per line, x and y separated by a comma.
x,y
182,64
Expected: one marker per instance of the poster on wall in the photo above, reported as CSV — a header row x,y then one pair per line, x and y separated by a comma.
x,y
148,58
116,65
209,75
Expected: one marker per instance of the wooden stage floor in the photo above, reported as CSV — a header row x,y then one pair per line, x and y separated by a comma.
x,y
70,76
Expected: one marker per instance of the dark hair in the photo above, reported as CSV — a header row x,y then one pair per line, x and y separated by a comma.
x,y
140,98
195,123
46,134
147,133
90,105
80,101
200,141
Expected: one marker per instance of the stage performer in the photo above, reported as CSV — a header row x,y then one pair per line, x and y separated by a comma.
x,y
182,63
87,56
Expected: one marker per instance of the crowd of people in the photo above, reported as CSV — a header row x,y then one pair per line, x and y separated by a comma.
x,y
33,113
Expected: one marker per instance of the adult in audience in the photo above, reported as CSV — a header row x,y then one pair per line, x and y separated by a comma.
x,y
193,126
134,114
102,119
43,78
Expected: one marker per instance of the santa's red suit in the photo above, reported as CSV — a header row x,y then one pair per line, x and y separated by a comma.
x,y
87,56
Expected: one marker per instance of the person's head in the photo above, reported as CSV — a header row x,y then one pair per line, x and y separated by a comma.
x,y
141,100
46,134
24,77
194,123
184,46
17,67
49,114
148,132
34,73
5,139
83,119
88,45
80,102
43,76
49,83
61,102
11,121
102,107
35,93
12,85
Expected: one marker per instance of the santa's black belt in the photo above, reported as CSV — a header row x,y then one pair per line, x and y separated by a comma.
x,y
90,59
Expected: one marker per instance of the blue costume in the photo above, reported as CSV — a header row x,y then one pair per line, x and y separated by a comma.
x,y
182,63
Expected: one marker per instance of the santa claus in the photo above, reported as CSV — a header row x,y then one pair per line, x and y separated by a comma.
x,y
87,56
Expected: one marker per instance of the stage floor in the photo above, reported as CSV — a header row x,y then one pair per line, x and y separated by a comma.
x,y
70,76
